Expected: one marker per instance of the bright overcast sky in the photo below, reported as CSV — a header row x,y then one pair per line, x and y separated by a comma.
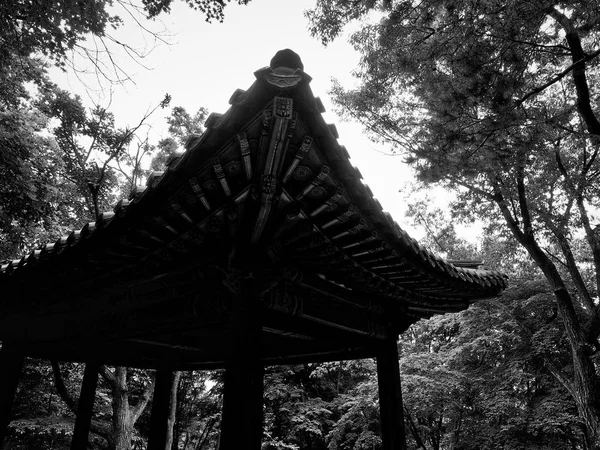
x,y
206,63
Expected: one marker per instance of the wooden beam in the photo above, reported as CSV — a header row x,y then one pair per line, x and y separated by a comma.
x,y
85,407
11,364
241,423
161,404
390,397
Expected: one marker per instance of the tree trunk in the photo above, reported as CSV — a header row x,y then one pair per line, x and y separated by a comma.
x,y
586,388
171,442
122,426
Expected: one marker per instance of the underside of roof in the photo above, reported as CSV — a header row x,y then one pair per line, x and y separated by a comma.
x,y
265,201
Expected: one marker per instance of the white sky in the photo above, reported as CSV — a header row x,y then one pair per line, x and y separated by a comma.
x,y
206,63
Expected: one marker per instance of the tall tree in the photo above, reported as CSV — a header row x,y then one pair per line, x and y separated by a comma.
x,y
496,100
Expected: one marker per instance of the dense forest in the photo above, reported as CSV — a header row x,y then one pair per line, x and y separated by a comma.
x,y
493,101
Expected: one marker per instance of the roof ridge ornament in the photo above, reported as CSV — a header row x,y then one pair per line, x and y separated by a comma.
x,y
286,58
285,70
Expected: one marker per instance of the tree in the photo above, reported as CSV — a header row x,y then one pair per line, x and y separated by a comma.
x,y
57,30
495,100
91,147
181,126
31,189
477,379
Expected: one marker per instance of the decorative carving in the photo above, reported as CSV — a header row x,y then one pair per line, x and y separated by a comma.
x,y
330,204
199,193
302,173
220,173
292,211
232,212
145,233
214,224
210,185
179,246
162,223
283,299
195,236
317,192
268,184
233,281
233,168
292,125
299,156
292,276
368,237
342,218
282,107
275,250
177,210
283,81
164,255
245,151
353,230
266,121
316,182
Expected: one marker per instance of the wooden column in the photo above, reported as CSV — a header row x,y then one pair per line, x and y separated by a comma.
x,y
390,397
85,407
161,404
11,364
241,423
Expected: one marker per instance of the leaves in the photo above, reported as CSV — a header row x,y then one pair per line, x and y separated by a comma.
x,y
494,101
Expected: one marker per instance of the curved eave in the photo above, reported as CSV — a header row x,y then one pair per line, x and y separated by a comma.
x,y
173,212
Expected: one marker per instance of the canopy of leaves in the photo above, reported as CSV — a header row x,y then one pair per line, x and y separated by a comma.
x,y
496,99
55,28
212,9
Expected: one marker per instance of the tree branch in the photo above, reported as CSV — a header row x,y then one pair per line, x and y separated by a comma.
x,y
108,376
138,409
102,430
61,388
557,77
579,58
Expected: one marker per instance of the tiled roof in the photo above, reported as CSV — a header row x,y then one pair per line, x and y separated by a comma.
x,y
266,188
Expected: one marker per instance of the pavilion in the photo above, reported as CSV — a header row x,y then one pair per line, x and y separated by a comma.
x,y
259,245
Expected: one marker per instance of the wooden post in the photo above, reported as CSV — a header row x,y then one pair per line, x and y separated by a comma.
x,y
161,404
390,397
85,407
11,364
241,423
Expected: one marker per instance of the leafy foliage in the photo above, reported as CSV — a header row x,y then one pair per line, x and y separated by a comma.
x,y
58,29
496,101
212,9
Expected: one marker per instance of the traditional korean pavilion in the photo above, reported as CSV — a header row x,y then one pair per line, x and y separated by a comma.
x,y
259,245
